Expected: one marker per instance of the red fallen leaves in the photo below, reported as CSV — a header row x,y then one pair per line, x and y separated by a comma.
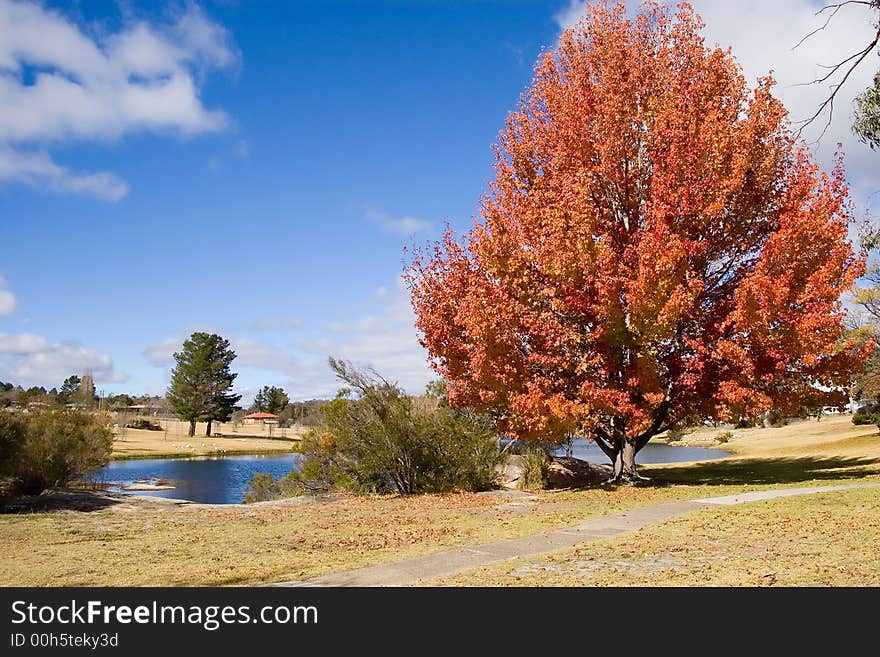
x,y
655,245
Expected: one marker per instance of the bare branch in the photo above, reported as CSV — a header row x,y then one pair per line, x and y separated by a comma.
x,y
841,4
829,102
819,29
836,67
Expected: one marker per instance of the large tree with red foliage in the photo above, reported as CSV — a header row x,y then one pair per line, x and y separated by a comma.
x,y
656,246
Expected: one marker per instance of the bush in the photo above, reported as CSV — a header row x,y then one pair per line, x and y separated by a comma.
x,y
12,438
261,488
867,415
50,449
775,419
535,461
383,441
724,436
144,423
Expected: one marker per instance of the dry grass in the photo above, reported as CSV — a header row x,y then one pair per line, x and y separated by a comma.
x,y
140,443
148,542
144,542
826,539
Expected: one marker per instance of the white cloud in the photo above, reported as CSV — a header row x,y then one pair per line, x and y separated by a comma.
x,y
29,359
162,353
279,323
58,83
38,170
7,300
385,340
259,355
248,353
22,344
762,36
402,225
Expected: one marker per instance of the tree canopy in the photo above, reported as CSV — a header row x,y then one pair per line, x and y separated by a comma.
x,y
656,246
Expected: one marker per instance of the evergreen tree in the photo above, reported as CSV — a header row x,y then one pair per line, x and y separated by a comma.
x,y
270,400
69,389
201,381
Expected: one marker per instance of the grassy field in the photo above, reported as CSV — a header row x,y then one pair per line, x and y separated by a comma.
x,y
142,542
140,443
826,539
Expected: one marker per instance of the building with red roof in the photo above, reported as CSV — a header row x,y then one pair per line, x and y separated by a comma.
x,y
260,418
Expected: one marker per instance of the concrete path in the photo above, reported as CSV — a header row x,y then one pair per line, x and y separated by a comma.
x,y
450,562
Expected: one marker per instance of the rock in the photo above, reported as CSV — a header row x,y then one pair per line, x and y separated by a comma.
x,y
568,472
510,471
147,487
562,472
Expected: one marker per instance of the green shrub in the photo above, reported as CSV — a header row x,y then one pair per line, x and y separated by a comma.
x,y
262,487
535,462
724,436
12,438
50,449
867,415
382,441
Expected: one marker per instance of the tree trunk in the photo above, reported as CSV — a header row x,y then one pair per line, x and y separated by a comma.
x,y
192,428
625,464
208,430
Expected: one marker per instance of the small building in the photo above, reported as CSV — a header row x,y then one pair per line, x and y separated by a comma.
x,y
260,418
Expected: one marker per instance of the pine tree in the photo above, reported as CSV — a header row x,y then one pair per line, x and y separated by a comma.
x,y
69,389
270,400
201,381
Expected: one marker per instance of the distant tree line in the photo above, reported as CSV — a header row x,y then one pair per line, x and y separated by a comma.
x,y
74,391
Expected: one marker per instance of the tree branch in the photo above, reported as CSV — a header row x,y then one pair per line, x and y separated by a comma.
x,y
603,440
859,56
819,29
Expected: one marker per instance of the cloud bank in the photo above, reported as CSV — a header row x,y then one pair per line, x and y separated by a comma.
x,y
60,84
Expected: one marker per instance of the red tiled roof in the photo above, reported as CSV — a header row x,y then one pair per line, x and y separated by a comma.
x,y
260,416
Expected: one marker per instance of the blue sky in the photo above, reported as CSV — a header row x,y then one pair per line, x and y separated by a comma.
x,y
255,168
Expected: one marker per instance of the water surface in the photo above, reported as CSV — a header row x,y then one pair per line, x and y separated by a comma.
x,y
224,480
212,480
587,450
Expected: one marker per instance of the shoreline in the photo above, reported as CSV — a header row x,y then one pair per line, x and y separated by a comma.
x,y
210,454
143,444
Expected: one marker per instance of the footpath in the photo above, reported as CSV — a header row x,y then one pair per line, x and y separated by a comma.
x,y
453,561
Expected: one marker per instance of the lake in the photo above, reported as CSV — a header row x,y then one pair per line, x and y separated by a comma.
x,y
212,480
651,453
224,480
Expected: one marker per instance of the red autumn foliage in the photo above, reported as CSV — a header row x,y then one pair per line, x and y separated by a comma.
x,y
656,245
